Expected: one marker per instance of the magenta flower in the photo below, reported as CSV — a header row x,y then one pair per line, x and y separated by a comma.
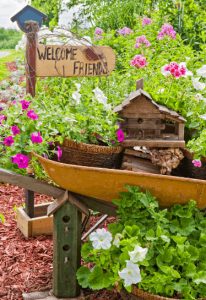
x,y
2,118
98,31
146,21
32,115
21,160
8,141
167,30
15,129
36,138
120,135
176,70
142,40
59,153
138,61
125,31
197,163
24,104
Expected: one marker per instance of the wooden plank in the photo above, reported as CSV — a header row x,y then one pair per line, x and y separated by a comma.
x,y
40,210
144,125
140,84
41,225
136,153
29,203
135,115
181,133
140,164
30,183
153,143
67,256
101,206
67,60
23,222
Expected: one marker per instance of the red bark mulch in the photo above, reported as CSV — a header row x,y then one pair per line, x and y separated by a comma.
x,y
26,264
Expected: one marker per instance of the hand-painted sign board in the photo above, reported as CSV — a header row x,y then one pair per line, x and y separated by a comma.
x,y
74,61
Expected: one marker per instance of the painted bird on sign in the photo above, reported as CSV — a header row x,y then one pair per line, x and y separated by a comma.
x,y
28,13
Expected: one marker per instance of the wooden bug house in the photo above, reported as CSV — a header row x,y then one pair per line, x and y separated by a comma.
x,y
154,134
147,123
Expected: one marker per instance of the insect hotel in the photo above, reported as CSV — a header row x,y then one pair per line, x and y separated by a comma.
x,y
153,134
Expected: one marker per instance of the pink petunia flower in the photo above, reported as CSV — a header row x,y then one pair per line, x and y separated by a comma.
x,y
142,40
138,61
166,30
24,104
120,135
59,153
2,118
15,129
197,163
98,31
8,141
125,31
32,115
36,138
146,21
21,160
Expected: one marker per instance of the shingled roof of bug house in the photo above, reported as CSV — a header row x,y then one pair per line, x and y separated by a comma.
x,y
147,123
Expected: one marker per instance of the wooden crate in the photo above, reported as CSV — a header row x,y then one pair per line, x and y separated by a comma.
x,y
40,224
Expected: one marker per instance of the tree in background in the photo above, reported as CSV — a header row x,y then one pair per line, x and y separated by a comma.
x,y
51,8
9,38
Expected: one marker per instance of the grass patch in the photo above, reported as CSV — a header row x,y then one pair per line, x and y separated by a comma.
x,y
4,73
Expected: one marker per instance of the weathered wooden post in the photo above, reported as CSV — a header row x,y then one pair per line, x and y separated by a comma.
x,y
29,21
67,218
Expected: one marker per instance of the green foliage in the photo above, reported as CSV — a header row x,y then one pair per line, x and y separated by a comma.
x,y
9,38
50,8
187,16
175,238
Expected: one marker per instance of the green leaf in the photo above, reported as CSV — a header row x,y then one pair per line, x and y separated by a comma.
x,y
99,279
83,276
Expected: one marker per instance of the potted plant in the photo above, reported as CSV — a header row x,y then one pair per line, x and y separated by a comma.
x,y
83,130
149,253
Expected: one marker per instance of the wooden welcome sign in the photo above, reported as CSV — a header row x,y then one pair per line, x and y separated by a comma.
x,y
74,61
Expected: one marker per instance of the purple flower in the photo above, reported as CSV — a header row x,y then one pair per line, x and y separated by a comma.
x,y
2,118
59,153
21,160
15,129
24,104
1,108
125,31
98,31
197,163
8,141
146,21
166,30
142,40
120,135
36,138
32,115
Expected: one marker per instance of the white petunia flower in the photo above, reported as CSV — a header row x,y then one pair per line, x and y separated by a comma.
x,y
202,71
130,274
100,96
203,117
78,86
197,84
101,239
117,239
76,96
199,97
138,254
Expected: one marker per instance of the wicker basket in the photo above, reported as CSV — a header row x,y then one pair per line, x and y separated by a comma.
x,y
138,294
187,169
91,155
